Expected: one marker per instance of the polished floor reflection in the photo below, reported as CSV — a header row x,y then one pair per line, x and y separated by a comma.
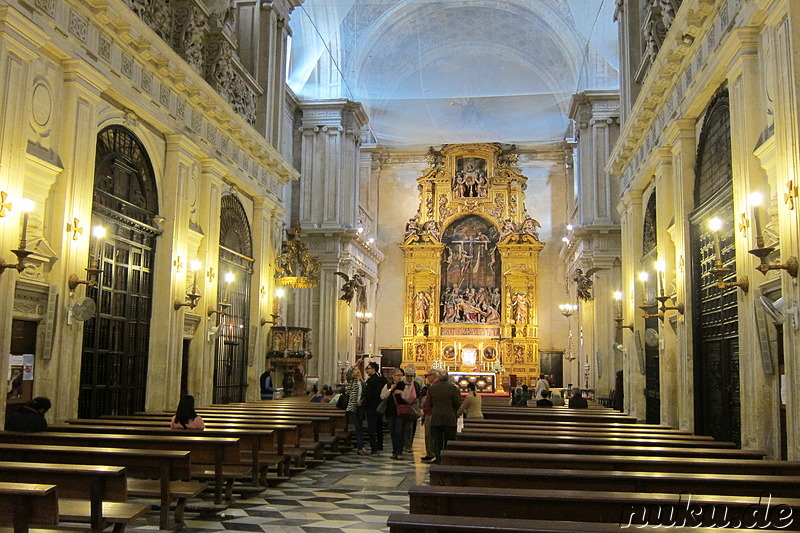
x,y
351,493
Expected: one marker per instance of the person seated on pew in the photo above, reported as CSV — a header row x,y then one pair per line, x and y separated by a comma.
x,y
185,416
577,400
472,403
30,417
324,395
518,398
527,394
556,398
545,401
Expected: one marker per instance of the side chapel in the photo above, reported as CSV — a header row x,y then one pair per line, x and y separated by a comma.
x,y
471,262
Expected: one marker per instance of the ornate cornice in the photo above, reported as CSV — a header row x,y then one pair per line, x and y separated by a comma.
x,y
115,43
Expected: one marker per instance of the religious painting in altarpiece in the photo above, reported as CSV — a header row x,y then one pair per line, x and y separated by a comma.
x,y
471,262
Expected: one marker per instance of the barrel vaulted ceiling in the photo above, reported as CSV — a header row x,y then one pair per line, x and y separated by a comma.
x,y
442,71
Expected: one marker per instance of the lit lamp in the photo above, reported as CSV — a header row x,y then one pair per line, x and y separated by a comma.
x,y
662,298
192,296
618,312
223,306
276,309
646,306
363,316
760,250
568,309
719,271
94,271
26,206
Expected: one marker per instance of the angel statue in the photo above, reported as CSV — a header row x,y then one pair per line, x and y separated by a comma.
x,y
352,287
585,282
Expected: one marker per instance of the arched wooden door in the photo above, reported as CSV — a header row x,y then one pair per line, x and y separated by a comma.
x,y
716,327
116,340
235,258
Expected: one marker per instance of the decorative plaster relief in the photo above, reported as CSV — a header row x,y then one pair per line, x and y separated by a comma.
x,y
41,107
78,25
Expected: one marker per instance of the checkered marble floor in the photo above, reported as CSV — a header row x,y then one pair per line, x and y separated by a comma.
x,y
348,494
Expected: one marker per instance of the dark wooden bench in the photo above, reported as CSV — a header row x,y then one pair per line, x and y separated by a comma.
x,y
620,462
619,430
258,446
23,505
566,425
627,448
507,436
95,484
424,523
524,413
604,506
215,451
160,474
620,481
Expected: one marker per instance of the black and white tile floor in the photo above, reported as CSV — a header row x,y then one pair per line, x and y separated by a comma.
x,y
348,494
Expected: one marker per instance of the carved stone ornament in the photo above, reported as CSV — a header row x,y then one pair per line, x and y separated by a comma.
x,y
295,268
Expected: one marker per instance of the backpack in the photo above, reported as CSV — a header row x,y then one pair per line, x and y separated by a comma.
x,y
343,400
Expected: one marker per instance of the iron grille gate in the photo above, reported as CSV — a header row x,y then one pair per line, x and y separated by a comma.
x,y
716,351
230,361
116,340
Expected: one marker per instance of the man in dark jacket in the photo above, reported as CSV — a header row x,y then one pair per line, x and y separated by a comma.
x,y
30,417
267,390
577,400
444,399
370,399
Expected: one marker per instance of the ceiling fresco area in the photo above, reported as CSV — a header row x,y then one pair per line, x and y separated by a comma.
x,y
451,71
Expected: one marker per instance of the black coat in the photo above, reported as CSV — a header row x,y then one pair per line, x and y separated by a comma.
x,y
371,396
26,419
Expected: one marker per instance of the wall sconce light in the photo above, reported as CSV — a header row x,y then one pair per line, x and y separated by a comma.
x,y
274,320
193,296
568,309
363,316
223,306
762,252
646,306
679,307
93,272
26,206
719,271
618,312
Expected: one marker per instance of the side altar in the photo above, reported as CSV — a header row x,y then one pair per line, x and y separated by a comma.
x,y
471,263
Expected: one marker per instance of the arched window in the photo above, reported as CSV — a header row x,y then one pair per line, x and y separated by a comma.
x,y
116,340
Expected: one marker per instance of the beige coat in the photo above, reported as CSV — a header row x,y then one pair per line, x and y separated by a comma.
x,y
471,406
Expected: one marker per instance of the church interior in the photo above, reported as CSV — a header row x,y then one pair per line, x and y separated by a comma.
x,y
599,191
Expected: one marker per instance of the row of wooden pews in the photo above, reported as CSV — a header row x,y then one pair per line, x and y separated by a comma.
x,y
558,470
97,464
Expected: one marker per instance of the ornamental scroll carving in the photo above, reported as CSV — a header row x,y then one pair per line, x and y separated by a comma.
x,y
471,261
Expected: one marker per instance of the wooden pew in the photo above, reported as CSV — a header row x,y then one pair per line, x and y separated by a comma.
x,y
592,506
204,450
97,494
523,413
257,444
289,433
160,474
423,523
627,448
593,439
744,484
23,505
619,462
561,427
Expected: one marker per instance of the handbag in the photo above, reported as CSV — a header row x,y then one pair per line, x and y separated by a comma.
x,y
403,409
344,399
382,406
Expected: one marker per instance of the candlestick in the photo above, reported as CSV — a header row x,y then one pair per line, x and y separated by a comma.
x,y
26,207
643,277
660,283
756,200
99,232
618,304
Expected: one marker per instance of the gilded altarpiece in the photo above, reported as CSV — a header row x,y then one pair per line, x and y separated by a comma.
x,y
471,262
